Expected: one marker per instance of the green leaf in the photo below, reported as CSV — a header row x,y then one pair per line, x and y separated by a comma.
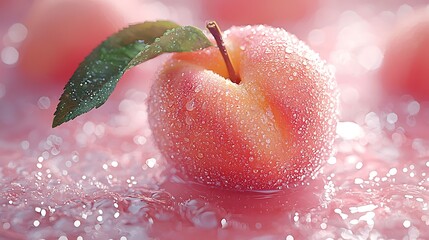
x,y
96,77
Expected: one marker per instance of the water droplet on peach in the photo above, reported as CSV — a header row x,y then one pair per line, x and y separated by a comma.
x,y
190,105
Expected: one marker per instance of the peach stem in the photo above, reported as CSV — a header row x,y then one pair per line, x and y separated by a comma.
x,y
217,34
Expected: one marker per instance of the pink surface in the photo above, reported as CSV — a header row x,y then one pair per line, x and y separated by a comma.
x,y
100,176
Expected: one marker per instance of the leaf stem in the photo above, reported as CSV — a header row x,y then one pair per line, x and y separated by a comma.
x,y
217,34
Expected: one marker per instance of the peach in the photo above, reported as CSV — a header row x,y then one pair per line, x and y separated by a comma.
x,y
271,129
405,65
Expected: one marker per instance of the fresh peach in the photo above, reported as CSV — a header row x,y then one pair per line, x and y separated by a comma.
x,y
405,66
271,129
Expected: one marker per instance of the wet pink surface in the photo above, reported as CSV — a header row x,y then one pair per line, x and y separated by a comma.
x,y
101,176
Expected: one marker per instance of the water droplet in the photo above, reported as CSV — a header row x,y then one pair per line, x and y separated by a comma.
x,y
151,162
76,223
223,223
188,120
36,223
190,105
198,88
406,223
289,237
